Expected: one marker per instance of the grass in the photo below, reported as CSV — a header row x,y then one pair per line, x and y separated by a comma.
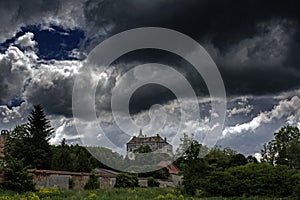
x,y
108,194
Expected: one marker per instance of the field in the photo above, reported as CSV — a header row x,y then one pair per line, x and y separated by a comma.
x,y
114,194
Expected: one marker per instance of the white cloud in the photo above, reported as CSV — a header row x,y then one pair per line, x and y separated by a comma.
x,y
284,109
64,129
26,40
240,110
16,67
53,79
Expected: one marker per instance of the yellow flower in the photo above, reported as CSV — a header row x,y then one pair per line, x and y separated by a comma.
x,y
92,195
33,196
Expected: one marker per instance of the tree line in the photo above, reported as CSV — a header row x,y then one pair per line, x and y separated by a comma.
x,y
206,172
224,172
27,147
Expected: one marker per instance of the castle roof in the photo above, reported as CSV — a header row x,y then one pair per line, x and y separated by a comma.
x,y
144,139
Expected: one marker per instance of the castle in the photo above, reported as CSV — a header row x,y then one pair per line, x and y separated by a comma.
x,y
156,143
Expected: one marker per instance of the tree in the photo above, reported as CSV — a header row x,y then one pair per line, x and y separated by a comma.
x,y
40,131
251,159
221,183
237,160
31,141
93,182
219,159
19,143
191,162
61,159
124,180
189,150
284,149
151,182
16,176
194,175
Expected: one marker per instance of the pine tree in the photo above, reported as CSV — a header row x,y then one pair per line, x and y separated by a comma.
x,y
16,176
30,141
39,130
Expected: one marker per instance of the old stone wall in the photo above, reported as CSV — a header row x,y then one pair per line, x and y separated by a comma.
x,y
60,179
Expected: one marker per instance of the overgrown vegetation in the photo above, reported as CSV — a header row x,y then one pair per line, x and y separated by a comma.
x,y
227,173
114,193
93,182
16,176
152,182
126,180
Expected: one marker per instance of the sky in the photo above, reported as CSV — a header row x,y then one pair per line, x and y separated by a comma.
x,y
255,45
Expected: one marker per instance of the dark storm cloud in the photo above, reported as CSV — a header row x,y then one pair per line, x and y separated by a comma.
x,y
226,21
224,26
17,13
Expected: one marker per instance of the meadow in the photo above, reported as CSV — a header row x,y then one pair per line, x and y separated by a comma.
x,y
111,194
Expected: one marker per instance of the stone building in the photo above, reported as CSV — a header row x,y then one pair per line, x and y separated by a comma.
x,y
156,144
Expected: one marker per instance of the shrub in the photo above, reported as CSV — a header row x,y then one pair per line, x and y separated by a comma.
x,y
93,182
220,183
124,180
152,182
16,176
71,183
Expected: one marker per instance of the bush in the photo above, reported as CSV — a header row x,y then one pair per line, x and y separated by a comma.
x,y
254,180
71,183
16,176
152,182
295,182
93,182
124,180
220,183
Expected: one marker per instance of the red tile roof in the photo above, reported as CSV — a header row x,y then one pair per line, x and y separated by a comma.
x,y
170,166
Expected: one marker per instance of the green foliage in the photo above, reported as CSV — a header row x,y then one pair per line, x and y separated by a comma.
x,y
226,173
73,158
16,176
195,173
237,160
30,141
251,159
220,183
284,149
62,158
125,180
255,179
100,194
189,150
71,183
40,130
223,159
93,182
152,182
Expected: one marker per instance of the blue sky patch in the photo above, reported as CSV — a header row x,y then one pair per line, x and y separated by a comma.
x,y
53,43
